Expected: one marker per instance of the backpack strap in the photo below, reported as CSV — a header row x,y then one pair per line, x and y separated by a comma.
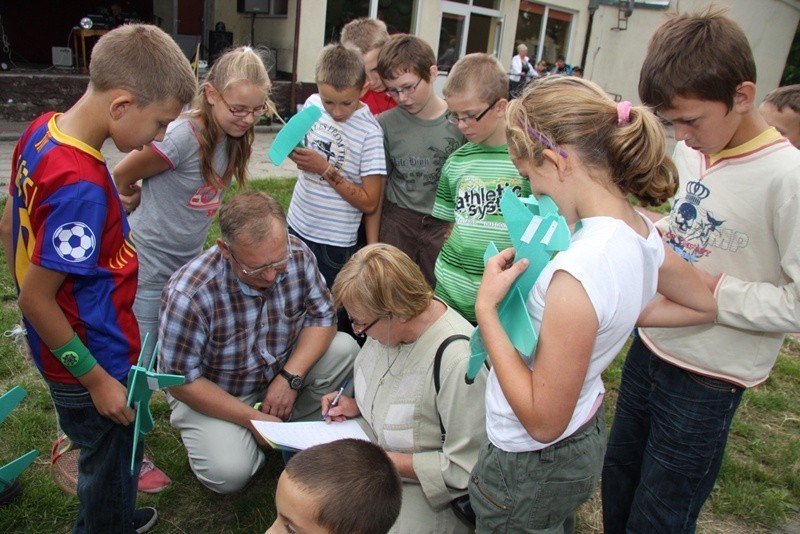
x,y
437,365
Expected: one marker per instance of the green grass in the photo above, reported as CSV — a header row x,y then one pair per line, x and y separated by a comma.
x,y
758,489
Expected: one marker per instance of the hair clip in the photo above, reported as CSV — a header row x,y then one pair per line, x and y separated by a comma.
x,y
623,113
542,139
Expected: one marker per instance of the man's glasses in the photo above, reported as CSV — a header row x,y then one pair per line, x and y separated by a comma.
x,y
407,90
241,112
360,329
469,120
279,265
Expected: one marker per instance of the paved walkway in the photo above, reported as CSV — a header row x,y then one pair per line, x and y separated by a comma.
x,y
260,166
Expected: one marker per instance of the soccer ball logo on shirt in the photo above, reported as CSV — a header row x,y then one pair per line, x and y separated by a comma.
x,y
74,241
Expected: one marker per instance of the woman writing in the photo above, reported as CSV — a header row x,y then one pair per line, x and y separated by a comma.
x,y
387,298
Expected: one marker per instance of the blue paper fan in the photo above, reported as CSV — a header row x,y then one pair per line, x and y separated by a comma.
x,y
291,135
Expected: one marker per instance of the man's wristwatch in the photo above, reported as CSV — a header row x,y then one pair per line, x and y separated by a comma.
x,y
295,381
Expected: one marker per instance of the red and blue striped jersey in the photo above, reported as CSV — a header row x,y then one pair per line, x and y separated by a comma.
x,y
67,217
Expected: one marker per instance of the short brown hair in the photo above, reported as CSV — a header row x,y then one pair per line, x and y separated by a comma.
x,y
482,73
567,110
384,281
356,486
340,67
406,53
785,97
365,34
249,217
145,61
704,56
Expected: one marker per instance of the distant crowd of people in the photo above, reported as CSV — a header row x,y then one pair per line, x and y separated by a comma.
x,y
523,71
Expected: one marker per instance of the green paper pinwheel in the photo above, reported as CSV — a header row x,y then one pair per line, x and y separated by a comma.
x,y
292,134
10,471
142,382
537,233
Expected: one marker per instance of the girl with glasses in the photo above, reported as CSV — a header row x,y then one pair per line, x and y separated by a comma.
x,y
184,178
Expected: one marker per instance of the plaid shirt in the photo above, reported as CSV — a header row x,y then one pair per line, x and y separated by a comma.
x,y
216,327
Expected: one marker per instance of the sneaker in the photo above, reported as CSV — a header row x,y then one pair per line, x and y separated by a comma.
x,y
144,519
151,478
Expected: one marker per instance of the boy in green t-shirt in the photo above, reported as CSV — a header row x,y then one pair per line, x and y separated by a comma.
x,y
474,178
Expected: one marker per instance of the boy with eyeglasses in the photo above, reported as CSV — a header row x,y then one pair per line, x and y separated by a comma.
x,y
418,138
474,178
341,167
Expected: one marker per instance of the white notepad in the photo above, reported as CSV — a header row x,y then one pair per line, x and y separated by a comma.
x,y
303,435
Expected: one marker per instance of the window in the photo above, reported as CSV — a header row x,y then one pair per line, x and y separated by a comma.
x,y
545,31
397,14
467,26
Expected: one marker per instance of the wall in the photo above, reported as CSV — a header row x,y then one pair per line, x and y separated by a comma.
x,y
615,57
276,33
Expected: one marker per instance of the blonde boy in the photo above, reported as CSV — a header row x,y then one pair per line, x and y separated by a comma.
x,y
343,165
418,138
68,246
474,178
369,36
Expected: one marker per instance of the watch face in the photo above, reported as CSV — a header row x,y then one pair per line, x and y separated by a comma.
x,y
295,381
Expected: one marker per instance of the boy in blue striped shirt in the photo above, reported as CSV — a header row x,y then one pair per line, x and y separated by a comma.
x,y
342,165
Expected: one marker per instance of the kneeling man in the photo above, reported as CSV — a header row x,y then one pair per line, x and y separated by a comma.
x,y
250,320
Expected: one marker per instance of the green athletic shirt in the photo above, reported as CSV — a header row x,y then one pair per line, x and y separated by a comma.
x,y
472,182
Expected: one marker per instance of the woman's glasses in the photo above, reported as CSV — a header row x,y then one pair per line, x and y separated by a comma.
x,y
360,329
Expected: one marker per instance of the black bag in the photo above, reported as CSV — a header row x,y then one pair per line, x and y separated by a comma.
x,y
460,505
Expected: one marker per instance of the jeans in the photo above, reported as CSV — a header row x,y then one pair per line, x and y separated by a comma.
x,y
538,491
106,488
330,258
145,307
666,445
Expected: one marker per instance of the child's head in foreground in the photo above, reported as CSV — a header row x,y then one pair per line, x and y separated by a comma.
x,y
781,109
368,36
407,66
476,92
146,78
574,119
347,486
699,73
341,80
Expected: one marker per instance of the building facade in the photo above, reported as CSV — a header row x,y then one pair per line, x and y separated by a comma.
x,y
606,37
